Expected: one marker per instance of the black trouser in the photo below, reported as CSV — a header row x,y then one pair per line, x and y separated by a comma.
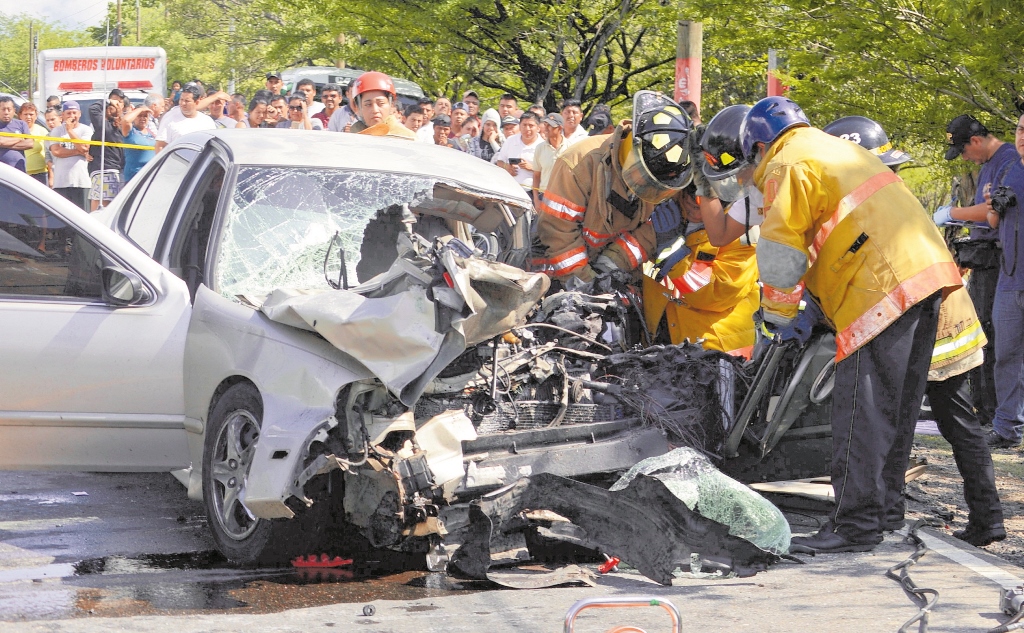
x,y
981,286
954,413
875,404
78,195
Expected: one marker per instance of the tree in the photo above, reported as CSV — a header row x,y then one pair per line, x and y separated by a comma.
x,y
14,46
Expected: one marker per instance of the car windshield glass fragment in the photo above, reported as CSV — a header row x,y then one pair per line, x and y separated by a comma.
x,y
282,221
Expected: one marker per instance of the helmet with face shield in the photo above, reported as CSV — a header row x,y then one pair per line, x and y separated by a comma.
x,y
724,166
656,162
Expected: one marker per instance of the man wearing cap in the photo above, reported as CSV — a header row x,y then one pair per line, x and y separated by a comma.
x,y
12,149
274,83
472,101
460,112
547,152
442,130
70,159
969,138
600,121
509,127
516,156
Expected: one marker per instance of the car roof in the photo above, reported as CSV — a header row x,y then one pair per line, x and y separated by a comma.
x,y
319,149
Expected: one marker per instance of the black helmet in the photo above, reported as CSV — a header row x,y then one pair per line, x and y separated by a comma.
x,y
658,164
868,134
723,153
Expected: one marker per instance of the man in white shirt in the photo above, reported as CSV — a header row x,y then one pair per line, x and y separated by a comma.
x,y
573,115
548,152
174,114
516,156
307,88
192,119
71,160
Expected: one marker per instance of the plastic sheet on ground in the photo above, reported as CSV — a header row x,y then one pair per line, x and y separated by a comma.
x,y
704,489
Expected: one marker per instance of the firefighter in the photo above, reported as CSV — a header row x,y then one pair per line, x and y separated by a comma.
x,y
703,291
840,223
595,212
374,96
958,348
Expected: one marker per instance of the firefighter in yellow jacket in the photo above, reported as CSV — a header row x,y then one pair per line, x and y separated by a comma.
x,y
958,348
710,294
840,223
595,211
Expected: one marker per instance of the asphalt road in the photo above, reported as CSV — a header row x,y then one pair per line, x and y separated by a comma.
x,y
133,554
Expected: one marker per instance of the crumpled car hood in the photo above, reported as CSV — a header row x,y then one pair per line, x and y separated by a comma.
x,y
403,336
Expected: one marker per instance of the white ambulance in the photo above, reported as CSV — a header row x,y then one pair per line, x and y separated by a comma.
x,y
88,74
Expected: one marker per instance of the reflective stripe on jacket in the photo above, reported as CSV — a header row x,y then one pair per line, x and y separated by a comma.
x,y
842,223
579,219
959,339
710,294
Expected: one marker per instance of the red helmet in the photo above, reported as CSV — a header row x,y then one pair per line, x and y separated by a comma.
x,y
372,80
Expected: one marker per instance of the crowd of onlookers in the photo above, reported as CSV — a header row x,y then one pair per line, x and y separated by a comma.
x,y
523,142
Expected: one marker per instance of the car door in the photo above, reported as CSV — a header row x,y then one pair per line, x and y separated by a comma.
x,y
89,381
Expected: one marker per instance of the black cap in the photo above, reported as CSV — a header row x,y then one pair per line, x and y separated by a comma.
x,y
598,123
273,73
509,120
959,133
442,120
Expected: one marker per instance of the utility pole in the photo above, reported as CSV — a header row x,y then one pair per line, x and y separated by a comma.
x,y
31,57
138,24
775,87
117,32
689,61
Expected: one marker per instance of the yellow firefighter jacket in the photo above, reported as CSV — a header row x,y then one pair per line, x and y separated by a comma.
x,y
588,211
840,222
711,294
959,340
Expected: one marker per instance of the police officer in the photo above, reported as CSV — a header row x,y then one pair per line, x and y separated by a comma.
x,y
840,223
959,349
603,189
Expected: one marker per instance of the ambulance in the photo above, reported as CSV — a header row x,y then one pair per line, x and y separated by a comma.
x,y
88,74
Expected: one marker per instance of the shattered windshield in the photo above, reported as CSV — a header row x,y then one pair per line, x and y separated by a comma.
x,y
282,220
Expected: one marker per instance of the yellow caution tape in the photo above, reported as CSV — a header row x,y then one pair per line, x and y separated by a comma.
x,y
60,139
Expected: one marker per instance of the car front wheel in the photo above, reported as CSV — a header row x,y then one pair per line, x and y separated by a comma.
x,y
227,456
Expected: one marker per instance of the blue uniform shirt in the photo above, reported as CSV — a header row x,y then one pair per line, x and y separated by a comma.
x,y
1011,232
135,159
994,169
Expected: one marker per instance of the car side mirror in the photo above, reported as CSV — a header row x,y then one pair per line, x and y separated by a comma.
x,y
123,287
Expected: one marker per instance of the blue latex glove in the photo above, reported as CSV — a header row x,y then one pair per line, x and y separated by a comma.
x,y
666,216
800,328
670,261
943,215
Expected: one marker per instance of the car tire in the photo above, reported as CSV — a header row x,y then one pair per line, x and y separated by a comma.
x,y
228,451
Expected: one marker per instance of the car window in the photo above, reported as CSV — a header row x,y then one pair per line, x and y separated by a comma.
x,y
150,208
282,222
189,250
41,255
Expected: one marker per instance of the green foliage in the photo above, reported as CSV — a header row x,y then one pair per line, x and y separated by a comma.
x,y
14,47
910,64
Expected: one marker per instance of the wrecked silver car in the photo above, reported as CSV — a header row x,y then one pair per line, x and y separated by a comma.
x,y
312,330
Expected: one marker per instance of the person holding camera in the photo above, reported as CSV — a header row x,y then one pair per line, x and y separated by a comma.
x,y
970,139
1008,308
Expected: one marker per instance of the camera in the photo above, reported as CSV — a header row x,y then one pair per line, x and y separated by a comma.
x,y
1003,199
